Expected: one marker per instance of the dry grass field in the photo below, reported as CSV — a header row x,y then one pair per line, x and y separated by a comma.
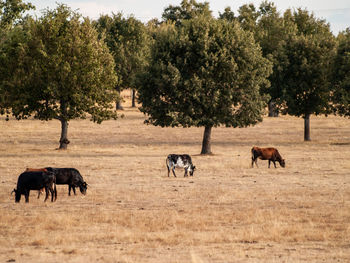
x,y
226,212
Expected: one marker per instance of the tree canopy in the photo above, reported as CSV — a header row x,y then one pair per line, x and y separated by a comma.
x,y
57,68
341,76
306,78
11,11
205,73
187,10
128,41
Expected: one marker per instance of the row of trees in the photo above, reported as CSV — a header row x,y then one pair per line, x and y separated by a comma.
x,y
189,69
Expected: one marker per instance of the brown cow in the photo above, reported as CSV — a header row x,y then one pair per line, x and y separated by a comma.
x,y
41,191
270,154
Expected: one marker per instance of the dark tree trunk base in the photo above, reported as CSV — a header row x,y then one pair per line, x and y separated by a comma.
x,y
307,136
206,145
133,98
64,131
119,106
63,144
273,111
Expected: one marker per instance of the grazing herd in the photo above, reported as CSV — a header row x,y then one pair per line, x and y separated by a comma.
x,y
47,178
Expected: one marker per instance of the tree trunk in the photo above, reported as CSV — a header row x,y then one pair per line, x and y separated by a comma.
x,y
119,102
206,146
64,131
133,94
273,111
307,128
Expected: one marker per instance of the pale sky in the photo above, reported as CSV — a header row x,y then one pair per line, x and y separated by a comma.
x,y
336,12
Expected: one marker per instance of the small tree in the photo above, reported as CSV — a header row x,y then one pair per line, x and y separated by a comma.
x,y
205,73
306,78
61,70
341,75
128,41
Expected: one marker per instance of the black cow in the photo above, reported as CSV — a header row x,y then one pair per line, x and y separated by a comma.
x,y
35,181
182,161
70,176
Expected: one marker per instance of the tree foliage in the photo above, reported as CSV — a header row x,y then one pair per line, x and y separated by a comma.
x,y
306,78
270,30
11,11
188,9
128,41
341,76
205,73
60,69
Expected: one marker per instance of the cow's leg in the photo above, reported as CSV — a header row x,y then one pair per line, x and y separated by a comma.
x,y
185,172
256,162
168,170
47,193
69,189
274,163
26,195
55,192
52,193
173,169
269,163
39,192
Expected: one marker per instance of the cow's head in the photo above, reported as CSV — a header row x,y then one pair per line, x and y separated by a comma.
x,y
192,169
83,187
283,163
17,195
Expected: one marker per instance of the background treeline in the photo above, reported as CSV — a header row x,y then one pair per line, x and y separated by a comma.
x,y
187,69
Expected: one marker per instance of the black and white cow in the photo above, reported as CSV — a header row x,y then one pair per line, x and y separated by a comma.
x,y
182,161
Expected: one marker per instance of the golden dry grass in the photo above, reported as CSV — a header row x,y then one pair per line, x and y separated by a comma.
x,y
227,212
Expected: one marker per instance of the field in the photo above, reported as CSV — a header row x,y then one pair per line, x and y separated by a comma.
x,y
133,212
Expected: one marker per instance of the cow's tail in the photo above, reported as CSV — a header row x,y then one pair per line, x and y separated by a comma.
x,y
253,151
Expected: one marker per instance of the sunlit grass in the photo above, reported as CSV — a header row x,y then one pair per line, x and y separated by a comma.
x,y
226,212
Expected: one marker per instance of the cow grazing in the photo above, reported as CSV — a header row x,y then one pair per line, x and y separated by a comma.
x,y
71,177
35,181
270,154
37,170
182,161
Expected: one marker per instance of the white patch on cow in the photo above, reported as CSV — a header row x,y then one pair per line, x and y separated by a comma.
x,y
180,163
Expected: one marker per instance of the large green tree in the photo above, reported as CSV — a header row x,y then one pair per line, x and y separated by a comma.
x,y
205,73
57,68
128,41
270,30
11,15
341,75
306,77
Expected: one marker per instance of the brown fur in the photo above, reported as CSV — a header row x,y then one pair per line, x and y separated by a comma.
x,y
270,154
